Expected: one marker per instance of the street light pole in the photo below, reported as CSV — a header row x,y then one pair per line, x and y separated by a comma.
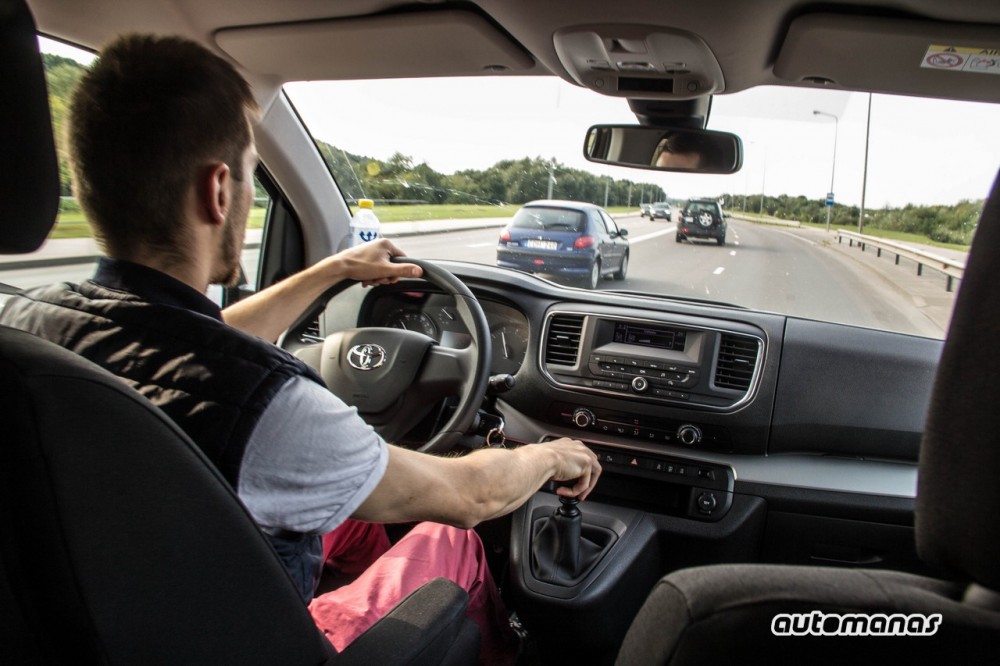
x,y
763,180
836,126
864,178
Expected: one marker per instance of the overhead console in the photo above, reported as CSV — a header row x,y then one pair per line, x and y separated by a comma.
x,y
670,361
628,60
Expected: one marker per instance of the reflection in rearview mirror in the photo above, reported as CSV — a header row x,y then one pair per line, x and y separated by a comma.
x,y
664,148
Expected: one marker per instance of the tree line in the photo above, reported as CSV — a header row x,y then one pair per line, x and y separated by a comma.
x,y
399,179
944,224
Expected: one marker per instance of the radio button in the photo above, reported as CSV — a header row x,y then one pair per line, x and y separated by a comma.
x,y
640,384
689,434
583,418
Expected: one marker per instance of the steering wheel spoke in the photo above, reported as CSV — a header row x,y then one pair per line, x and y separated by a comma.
x,y
395,376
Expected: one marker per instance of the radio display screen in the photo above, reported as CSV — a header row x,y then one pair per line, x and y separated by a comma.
x,y
649,336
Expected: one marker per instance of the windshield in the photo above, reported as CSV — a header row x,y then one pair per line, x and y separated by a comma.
x,y
699,206
536,217
815,170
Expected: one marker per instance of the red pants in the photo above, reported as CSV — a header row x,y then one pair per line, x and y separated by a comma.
x,y
388,574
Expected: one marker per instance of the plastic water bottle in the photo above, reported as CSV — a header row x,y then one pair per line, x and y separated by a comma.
x,y
365,226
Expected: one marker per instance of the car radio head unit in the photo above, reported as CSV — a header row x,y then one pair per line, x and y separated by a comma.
x,y
645,335
660,361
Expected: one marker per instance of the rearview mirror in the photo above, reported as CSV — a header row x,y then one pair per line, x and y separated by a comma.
x,y
664,148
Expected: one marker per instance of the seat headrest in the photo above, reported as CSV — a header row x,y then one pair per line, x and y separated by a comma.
x,y
29,169
958,494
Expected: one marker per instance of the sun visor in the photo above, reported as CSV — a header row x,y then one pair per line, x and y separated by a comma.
x,y
445,43
927,58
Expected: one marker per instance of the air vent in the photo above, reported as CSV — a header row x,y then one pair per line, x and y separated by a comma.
x,y
735,364
311,333
562,346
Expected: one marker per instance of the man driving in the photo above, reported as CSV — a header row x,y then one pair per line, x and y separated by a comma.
x,y
161,138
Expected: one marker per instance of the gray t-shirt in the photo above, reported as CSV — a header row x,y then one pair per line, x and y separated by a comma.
x,y
310,462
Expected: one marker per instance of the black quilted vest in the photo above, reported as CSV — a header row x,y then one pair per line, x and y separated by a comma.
x,y
211,379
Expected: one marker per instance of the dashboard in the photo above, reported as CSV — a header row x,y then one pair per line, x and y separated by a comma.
x,y
758,399
433,314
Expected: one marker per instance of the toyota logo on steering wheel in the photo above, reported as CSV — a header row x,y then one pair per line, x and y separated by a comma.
x,y
366,357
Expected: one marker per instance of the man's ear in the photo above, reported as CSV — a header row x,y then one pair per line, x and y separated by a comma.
x,y
214,196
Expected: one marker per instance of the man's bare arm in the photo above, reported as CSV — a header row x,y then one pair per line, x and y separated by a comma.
x,y
269,312
483,485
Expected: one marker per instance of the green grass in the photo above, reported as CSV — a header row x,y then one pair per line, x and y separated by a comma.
x,y
74,225
417,212
878,233
892,235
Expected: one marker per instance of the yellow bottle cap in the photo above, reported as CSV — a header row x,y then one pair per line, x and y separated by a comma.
x,y
366,203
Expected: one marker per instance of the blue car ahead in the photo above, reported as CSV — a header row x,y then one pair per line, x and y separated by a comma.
x,y
565,239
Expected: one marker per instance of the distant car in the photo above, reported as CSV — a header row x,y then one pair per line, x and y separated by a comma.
x,y
644,210
567,239
661,209
702,218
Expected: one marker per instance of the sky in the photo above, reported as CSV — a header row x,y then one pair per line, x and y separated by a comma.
x,y
921,151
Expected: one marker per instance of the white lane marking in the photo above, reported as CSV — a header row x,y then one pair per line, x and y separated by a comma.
x,y
737,242
480,245
732,253
655,234
718,271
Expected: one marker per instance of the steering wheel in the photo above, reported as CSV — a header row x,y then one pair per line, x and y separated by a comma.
x,y
394,376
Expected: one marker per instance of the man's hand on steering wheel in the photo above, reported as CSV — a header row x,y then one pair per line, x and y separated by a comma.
x,y
370,264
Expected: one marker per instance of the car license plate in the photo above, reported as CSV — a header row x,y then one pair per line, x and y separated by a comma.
x,y
541,244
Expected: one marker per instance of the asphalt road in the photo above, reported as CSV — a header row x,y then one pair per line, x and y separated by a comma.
x,y
764,268
794,272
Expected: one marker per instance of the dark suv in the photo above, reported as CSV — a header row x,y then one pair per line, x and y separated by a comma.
x,y
702,218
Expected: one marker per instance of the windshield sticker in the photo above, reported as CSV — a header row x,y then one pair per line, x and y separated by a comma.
x,y
962,59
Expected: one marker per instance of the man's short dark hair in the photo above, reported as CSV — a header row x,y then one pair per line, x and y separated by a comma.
x,y
146,117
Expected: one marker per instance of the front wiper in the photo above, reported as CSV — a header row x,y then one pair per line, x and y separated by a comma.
x,y
686,299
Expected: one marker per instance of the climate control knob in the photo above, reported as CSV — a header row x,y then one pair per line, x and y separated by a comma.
x,y
689,435
583,418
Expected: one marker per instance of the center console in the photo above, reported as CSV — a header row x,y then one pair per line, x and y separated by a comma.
x,y
655,361
640,392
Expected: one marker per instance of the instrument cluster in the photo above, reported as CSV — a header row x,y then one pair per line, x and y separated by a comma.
x,y
434,315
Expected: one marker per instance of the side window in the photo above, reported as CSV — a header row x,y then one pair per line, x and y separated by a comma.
x,y
70,253
609,224
259,214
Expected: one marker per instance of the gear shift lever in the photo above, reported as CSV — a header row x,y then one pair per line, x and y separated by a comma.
x,y
562,553
567,523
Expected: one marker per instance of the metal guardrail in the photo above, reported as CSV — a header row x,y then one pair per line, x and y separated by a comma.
x,y
774,221
954,270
